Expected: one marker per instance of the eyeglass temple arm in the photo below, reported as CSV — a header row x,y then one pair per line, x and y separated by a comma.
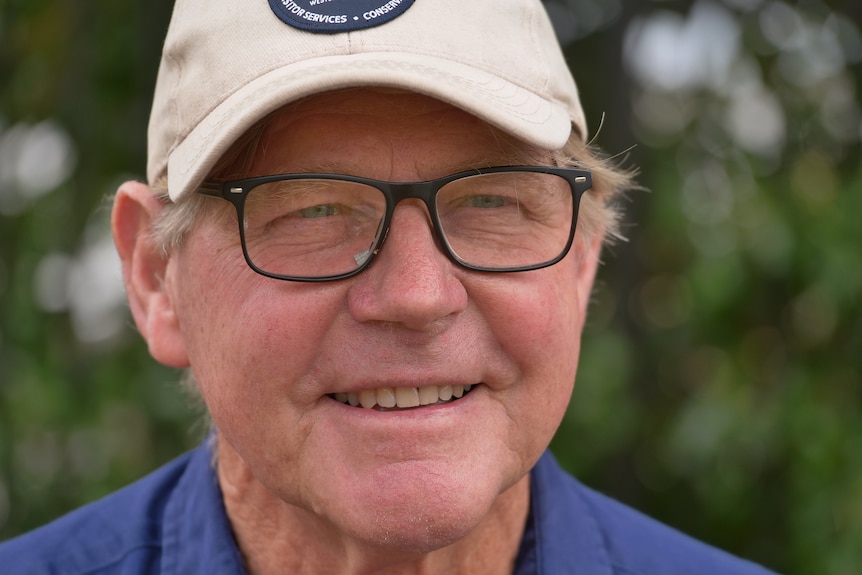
x,y
210,189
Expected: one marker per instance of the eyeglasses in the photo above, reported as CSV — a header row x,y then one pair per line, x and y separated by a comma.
x,y
324,227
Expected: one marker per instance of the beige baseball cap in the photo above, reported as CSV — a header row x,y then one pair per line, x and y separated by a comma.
x,y
228,63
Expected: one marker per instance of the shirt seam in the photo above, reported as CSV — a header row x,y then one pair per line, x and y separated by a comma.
x,y
118,559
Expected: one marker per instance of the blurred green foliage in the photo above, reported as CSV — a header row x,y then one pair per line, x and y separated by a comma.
x,y
721,381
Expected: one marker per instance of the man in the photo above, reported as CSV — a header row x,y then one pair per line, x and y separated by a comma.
x,y
359,235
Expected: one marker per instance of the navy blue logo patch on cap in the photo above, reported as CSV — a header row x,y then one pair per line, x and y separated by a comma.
x,y
331,16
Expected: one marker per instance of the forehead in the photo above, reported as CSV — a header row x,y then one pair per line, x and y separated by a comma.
x,y
380,132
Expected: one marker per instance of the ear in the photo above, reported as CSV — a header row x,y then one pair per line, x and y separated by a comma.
x,y
145,269
589,251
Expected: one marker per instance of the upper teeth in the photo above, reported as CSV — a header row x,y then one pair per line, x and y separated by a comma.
x,y
389,397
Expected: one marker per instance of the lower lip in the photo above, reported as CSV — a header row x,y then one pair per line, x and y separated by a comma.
x,y
415,433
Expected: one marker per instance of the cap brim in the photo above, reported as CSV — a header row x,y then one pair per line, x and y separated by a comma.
x,y
538,121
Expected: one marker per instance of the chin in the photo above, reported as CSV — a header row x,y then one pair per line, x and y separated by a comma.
x,y
421,510
414,531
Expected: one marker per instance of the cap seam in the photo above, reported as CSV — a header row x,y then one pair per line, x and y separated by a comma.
x,y
237,86
502,73
546,74
427,69
175,119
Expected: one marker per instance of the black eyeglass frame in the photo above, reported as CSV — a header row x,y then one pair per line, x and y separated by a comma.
x,y
236,191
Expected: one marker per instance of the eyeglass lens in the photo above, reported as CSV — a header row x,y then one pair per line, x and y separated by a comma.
x,y
327,227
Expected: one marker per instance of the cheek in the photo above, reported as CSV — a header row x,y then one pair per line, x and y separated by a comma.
x,y
553,359
249,338
537,324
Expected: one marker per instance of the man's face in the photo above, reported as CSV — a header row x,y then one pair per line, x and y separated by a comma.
x,y
270,355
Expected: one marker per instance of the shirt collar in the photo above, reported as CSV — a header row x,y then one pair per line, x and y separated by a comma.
x,y
197,534
562,528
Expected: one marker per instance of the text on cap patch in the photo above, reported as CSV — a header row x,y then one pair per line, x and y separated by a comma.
x,y
332,16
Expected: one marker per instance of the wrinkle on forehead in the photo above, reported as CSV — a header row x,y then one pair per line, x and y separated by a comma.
x,y
393,122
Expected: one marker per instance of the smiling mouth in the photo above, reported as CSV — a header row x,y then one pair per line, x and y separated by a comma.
x,y
385,398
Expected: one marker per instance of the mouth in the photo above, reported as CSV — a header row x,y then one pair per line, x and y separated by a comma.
x,y
392,398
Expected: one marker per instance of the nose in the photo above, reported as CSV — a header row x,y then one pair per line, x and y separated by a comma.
x,y
411,282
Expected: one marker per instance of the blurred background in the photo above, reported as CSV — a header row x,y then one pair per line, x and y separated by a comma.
x,y
720,387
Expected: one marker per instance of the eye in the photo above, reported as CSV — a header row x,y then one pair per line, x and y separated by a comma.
x,y
484,201
321,211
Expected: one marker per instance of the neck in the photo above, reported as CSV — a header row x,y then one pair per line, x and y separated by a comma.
x,y
275,536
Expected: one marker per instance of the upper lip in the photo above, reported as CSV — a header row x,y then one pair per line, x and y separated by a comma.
x,y
361,386
389,364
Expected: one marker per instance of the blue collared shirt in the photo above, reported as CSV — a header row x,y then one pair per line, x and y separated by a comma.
x,y
173,522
